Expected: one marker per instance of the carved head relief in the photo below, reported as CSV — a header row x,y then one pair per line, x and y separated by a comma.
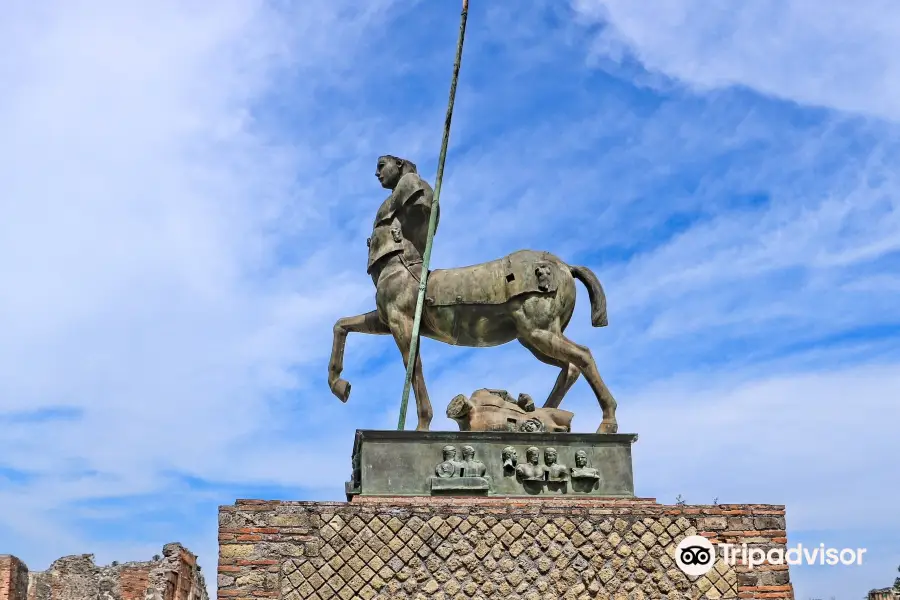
x,y
510,457
544,276
532,425
449,452
468,453
550,456
581,459
396,231
533,455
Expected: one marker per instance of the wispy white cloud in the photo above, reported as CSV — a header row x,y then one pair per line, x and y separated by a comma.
x,y
186,194
836,55
142,242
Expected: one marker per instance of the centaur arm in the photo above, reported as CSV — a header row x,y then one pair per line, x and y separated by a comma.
x,y
411,204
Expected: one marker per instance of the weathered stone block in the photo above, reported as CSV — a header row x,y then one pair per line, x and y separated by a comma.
x,y
174,576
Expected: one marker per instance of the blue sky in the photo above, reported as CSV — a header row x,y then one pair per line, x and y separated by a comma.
x,y
186,189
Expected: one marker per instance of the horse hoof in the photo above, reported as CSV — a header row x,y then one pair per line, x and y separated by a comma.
x,y
341,389
608,427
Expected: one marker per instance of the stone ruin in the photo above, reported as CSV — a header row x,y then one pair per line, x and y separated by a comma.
x,y
173,576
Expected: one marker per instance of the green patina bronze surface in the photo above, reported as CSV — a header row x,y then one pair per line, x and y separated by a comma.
x,y
527,296
412,463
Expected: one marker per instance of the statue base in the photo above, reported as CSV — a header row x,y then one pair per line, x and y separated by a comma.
x,y
477,486
410,548
413,463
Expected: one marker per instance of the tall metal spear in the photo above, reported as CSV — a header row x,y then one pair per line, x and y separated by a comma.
x,y
432,222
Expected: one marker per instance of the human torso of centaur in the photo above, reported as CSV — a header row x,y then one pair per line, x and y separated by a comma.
x,y
401,223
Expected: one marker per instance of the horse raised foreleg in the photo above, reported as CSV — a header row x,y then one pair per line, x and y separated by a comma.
x,y
366,323
402,330
560,347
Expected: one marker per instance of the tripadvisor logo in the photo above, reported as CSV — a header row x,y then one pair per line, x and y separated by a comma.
x,y
695,555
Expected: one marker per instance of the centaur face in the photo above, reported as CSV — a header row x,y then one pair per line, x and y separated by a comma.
x,y
388,172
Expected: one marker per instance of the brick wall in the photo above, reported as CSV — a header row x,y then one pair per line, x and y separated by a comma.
x,y
449,548
13,578
173,576
133,582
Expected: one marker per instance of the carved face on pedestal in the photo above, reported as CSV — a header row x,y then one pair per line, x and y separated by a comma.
x,y
533,455
449,453
550,456
510,456
468,453
581,459
388,171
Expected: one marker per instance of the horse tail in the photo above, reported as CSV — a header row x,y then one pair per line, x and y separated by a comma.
x,y
595,293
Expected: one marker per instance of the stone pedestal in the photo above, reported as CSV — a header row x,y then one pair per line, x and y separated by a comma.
x,y
407,463
444,548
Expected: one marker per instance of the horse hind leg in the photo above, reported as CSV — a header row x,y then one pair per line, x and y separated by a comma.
x,y
567,377
558,346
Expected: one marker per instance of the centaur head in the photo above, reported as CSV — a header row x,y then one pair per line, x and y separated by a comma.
x,y
390,169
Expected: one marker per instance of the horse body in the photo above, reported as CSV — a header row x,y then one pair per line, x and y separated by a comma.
x,y
475,306
527,296
473,326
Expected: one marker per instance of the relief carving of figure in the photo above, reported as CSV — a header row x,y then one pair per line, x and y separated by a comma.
x,y
468,475
472,467
532,469
510,460
544,276
533,425
555,471
581,470
450,467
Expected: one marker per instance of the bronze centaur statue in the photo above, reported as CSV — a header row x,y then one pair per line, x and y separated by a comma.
x,y
527,296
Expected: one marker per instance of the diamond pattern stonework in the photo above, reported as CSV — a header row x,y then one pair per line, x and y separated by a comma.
x,y
528,558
